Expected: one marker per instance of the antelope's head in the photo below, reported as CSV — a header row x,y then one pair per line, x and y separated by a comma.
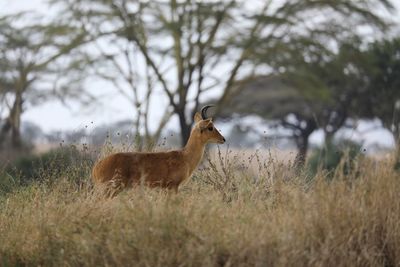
x,y
204,128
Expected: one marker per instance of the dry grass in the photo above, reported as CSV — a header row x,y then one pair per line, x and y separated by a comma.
x,y
226,216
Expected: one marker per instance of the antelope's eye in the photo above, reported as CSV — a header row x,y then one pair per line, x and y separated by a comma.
x,y
210,128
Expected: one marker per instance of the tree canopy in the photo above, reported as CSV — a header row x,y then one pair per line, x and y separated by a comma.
x,y
34,68
191,50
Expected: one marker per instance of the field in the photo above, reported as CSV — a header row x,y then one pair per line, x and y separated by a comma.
x,y
227,215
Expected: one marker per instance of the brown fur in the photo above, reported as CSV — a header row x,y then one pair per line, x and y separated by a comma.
x,y
163,169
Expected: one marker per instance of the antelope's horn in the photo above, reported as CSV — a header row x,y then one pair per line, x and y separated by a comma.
x,y
204,111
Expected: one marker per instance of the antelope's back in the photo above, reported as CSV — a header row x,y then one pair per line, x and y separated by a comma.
x,y
107,168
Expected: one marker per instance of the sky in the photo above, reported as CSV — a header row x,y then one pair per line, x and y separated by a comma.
x,y
53,116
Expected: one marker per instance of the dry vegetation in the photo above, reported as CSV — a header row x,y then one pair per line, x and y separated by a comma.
x,y
227,215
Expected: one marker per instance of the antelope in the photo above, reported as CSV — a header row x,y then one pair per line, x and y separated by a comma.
x,y
158,169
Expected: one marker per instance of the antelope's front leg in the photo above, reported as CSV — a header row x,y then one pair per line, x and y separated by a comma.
x,y
173,185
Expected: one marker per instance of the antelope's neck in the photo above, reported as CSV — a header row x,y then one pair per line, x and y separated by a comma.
x,y
193,152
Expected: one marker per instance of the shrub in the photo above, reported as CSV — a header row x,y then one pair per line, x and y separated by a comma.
x,y
329,157
67,162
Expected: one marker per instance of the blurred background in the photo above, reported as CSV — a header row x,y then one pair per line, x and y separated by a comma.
x,y
296,76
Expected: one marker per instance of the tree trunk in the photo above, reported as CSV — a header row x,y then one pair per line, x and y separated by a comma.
x,y
302,143
16,125
397,157
396,135
16,121
4,131
13,123
185,127
329,138
302,147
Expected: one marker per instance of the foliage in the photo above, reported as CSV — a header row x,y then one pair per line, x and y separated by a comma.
x,y
381,97
331,155
382,72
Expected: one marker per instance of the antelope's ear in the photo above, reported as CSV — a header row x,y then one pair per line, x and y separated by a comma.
x,y
208,122
205,124
197,117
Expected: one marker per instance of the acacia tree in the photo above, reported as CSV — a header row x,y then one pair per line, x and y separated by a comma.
x,y
193,49
34,68
320,82
177,44
382,99
322,90
338,79
283,106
